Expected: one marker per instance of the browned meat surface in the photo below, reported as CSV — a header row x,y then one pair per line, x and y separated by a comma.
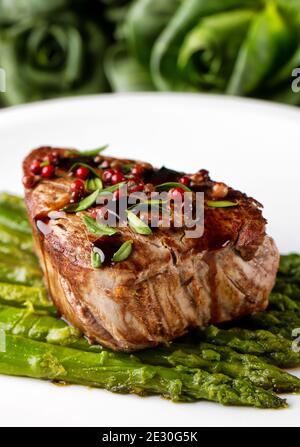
x,y
170,283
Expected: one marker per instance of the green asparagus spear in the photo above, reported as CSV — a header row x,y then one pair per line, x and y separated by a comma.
x,y
282,302
274,318
214,359
17,238
13,251
122,373
14,218
14,201
290,266
219,359
19,296
282,316
274,348
277,322
15,271
284,332
287,288
289,271
37,325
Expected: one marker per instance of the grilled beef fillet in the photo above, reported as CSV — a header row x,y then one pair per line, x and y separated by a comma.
x,y
170,283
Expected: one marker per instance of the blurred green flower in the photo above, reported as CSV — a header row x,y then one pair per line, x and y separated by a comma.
x,y
240,47
64,47
13,10
51,56
126,73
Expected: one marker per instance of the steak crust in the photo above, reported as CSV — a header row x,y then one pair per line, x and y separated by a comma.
x,y
169,284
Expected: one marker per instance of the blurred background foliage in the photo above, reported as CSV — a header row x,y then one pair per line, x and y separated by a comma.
x,y
71,47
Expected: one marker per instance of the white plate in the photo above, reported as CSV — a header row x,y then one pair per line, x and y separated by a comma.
x,y
252,145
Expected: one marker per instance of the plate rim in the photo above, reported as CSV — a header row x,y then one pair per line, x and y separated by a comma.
x,y
245,105
234,101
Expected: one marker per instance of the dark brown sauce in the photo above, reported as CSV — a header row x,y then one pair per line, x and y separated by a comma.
x,y
43,218
211,240
163,175
67,162
217,241
109,245
42,223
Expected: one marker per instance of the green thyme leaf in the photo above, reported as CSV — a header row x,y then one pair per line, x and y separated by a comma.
x,y
123,252
94,183
84,204
151,202
167,186
220,203
137,225
112,188
97,229
127,168
95,259
92,170
93,152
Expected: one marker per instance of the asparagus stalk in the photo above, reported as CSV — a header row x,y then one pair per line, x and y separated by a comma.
x,y
122,373
19,296
287,288
14,201
283,302
16,238
14,217
13,251
274,321
290,266
218,359
274,348
40,326
214,359
282,317
15,271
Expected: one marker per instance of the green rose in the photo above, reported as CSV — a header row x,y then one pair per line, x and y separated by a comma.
x,y
13,10
240,47
46,57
